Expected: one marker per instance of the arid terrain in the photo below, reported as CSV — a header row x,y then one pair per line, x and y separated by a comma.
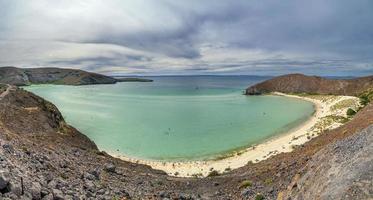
x,y
42,157
299,83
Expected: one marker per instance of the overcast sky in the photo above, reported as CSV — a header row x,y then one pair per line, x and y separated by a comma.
x,y
259,37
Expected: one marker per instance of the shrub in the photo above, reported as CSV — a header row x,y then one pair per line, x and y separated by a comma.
x,y
213,173
268,181
259,197
351,112
366,97
246,184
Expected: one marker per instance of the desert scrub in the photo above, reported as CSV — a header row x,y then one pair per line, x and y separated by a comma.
x,y
323,98
259,197
343,104
245,184
351,112
268,181
198,175
366,97
213,173
328,121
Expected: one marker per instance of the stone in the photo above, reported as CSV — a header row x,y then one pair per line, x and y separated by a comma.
x,y
16,188
57,194
96,172
4,179
89,176
35,191
110,167
8,147
247,192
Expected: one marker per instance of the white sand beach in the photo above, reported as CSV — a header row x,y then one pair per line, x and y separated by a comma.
x,y
325,106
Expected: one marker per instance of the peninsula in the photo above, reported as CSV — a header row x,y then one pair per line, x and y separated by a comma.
x,y
27,76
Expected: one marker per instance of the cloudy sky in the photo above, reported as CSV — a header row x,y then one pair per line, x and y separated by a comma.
x,y
145,37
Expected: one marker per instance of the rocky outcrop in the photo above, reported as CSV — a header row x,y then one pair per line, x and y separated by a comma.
x,y
21,77
299,83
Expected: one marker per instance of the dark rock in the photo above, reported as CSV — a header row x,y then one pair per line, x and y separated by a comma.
x,y
110,167
96,172
89,176
164,194
8,147
4,181
247,192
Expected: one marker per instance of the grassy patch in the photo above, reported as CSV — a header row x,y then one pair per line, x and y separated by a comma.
x,y
245,184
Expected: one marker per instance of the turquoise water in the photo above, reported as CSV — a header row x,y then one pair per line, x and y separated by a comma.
x,y
175,118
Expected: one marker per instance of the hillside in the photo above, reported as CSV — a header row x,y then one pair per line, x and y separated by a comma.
x,y
299,83
21,77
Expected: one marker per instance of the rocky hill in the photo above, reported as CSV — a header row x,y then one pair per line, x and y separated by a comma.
x,y
21,77
42,157
343,170
299,83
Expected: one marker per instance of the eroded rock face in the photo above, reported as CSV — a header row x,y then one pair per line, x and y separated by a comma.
x,y
299,83
20,77
343,170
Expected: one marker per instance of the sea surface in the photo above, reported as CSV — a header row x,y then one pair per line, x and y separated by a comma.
x,y
175,117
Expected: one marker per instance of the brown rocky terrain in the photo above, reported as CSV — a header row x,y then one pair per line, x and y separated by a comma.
x,y
299,83
42,157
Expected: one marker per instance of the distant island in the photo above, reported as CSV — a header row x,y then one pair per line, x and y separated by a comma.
x,y
42,157
132,79
26,76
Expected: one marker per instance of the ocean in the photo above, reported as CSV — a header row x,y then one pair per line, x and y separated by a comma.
x,y
176,118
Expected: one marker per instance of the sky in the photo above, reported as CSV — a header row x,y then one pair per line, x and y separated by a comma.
x,y
168,37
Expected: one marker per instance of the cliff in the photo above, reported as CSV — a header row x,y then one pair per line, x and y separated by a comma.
x,y
299,83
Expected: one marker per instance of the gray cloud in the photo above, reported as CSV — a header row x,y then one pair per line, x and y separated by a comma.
x,y
190,37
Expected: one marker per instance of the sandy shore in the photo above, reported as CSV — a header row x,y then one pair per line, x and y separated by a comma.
x,y
324,106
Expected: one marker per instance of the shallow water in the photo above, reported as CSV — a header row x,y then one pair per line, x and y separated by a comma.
x,y
175,118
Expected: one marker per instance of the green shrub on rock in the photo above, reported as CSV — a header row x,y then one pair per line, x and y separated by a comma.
x,y
351,112
246,184
259,197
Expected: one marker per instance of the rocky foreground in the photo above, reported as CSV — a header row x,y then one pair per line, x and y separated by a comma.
x,y
42,157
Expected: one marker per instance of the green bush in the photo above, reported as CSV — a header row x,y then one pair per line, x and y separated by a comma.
x,y
259,197
246,184
213,173
351,112
366,97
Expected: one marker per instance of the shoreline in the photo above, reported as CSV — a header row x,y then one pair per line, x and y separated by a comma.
x,y
280,143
